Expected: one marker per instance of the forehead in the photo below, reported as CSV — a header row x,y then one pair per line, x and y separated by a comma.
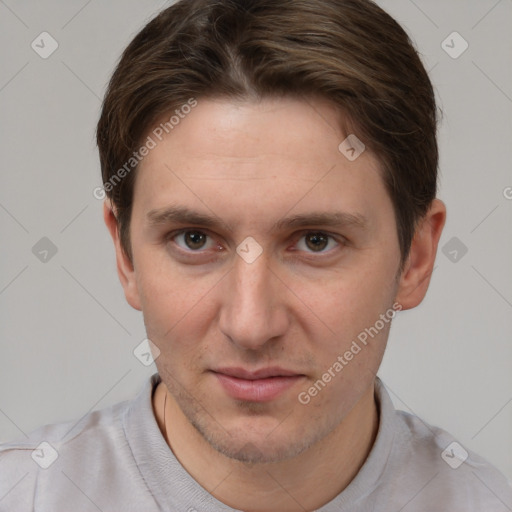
x,y
273,156
295,129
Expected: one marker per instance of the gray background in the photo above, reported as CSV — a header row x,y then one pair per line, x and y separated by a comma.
x,y
67,335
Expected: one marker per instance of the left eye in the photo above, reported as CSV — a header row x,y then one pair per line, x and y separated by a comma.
x,y
315,242
192,240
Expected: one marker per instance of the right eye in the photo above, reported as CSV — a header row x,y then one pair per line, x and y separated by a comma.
x,y
191,240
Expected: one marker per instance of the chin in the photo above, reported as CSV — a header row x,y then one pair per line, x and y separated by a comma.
x,y
252,445
257,451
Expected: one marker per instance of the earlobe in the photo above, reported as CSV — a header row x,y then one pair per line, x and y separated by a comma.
x,y
415,277
125,267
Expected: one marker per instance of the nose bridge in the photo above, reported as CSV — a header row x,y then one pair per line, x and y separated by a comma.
x,y
252,282
251,313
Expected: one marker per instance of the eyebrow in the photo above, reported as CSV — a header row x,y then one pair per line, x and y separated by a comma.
x,y
185,215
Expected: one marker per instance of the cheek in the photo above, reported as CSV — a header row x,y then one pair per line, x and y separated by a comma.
x,y
177,309
160,284
345,369
349,306
350,301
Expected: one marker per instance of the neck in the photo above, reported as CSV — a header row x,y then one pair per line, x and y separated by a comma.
x,y
303,483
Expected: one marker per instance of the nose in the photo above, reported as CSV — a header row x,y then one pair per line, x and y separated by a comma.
x,y
253,310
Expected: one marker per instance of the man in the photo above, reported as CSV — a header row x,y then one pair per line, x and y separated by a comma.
x,y
271,173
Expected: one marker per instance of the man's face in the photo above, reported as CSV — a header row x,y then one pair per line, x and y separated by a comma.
x,y
224,315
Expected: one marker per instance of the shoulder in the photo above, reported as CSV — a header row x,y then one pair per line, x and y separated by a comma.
x,y
439,469
97,425
76,464
26,463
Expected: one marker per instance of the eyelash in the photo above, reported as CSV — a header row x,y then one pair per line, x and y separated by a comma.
x,y
341,241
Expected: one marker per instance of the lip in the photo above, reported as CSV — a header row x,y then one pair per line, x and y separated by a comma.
x,y
262,373
259,385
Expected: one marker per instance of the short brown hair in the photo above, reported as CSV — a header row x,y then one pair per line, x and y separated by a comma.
x,y
349,52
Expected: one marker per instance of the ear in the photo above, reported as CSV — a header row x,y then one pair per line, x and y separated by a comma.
x,y
125,268
415,277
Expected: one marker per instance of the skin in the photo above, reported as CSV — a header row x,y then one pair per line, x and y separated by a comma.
x,y
299,305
